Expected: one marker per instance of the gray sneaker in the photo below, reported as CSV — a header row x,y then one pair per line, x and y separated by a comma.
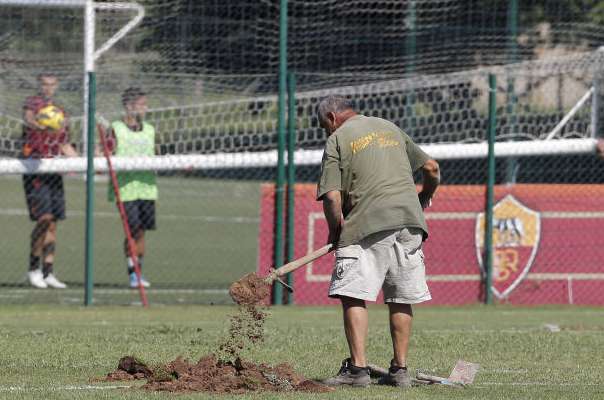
x,y
350,375
397,376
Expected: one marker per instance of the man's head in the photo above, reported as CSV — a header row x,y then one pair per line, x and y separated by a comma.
x,y
333,111
48,83
134,100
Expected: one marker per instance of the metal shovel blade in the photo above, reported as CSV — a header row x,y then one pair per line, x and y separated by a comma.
x,y
464,372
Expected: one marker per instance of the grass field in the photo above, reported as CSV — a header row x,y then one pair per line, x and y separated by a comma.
x,y
56,352
206,237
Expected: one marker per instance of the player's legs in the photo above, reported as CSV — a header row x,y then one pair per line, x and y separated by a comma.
x,y
134,224
354,371
135,213
57,204
138,237
45,199
38,239
401,316
139,242
147,222
41,235
48,247
48,257
405,284
355,328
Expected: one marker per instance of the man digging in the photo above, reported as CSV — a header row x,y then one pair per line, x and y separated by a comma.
x,y
376,220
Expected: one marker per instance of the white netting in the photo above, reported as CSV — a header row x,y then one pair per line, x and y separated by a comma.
x,y
210,67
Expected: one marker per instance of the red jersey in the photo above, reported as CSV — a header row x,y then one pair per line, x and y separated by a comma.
x,y
42,143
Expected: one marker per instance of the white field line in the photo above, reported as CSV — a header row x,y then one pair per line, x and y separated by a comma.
x,y
13,212
113,387
537,329
546,214
58,388
6,291
553,276
549,384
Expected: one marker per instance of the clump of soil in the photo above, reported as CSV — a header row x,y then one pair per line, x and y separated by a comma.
x,y
249,290
129,368
212,375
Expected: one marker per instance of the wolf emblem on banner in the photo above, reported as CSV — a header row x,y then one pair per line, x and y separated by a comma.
x,y
516,234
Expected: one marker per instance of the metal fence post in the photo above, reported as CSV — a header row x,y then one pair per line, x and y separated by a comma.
x,y
278,259
488,232
291,177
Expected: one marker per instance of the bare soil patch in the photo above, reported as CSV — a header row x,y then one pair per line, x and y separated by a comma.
x,y
212,375
227,372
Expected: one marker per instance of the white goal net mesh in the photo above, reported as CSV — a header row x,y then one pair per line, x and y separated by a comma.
x,y
210,73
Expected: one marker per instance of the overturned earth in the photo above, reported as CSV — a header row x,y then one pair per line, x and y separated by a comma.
x,y
212,375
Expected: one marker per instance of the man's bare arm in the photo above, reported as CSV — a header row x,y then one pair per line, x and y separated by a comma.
x,y
30,120
332,207
431,178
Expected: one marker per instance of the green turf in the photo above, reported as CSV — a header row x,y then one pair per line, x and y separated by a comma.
x,y
206,237
55,351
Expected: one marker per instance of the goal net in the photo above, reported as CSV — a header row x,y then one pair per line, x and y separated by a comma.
x,y
209,70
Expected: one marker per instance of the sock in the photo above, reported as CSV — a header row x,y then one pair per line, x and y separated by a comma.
x,y
395,368
46,269
34,262
355,370
130,262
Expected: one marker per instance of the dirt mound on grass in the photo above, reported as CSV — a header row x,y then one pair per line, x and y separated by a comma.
x,y
226,373
212,375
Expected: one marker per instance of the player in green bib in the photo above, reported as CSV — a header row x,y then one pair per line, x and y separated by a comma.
x,y
131,137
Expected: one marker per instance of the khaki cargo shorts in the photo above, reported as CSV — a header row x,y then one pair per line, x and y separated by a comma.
x,y
388,260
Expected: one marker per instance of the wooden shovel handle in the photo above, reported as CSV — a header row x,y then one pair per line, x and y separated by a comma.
x,y
294,265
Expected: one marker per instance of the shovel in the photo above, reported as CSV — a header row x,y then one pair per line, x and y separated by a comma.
x,y
250,289
276,274
463,374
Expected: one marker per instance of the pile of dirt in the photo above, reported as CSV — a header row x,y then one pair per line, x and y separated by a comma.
x,y
225,373
212,375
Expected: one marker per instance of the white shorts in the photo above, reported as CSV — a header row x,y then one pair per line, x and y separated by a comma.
x,y
390,260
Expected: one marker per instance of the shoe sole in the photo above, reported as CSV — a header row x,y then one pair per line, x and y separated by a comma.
x,y
348,384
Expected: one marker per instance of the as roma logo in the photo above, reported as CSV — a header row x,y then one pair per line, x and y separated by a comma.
x,y
516,234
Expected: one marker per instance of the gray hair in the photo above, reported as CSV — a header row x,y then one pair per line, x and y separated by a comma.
x,y
334,104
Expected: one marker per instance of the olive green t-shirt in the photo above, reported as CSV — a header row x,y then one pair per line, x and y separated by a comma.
x,y
371,161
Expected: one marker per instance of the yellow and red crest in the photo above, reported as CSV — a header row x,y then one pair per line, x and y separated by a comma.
x,y
516,234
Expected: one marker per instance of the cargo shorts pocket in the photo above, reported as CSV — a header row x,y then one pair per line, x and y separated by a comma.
x,y
347,260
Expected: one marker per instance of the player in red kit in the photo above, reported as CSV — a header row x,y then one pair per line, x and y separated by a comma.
x,y
44,192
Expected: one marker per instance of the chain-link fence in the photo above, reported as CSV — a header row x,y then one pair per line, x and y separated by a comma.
x,y
209,73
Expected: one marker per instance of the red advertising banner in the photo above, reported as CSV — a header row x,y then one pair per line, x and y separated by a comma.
x,y
548,244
